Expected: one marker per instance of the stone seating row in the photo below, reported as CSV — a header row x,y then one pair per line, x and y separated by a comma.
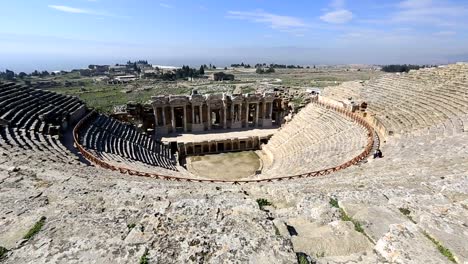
x,y
120,161
33,121
130,133
316,138
108,137
16,141
21,105
414,101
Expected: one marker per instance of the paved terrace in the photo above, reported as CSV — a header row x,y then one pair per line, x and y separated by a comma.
x,y
219,135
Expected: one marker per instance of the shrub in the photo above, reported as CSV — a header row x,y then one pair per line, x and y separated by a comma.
x,y
3,251
262,203
404,211
144,257
334,203
302,258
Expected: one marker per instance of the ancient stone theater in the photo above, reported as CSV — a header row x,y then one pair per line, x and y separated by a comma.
x,y
366,172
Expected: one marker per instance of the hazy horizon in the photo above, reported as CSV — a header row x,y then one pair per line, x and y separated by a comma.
x,y
63,35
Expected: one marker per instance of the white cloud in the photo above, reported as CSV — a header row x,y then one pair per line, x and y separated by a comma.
x,y
445,33
438,13
338,16
74,10
71,9
415,3
273,20
165,5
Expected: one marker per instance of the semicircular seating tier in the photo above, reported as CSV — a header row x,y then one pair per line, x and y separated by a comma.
x,y
34,119
122,145
423,100
408,207
316,138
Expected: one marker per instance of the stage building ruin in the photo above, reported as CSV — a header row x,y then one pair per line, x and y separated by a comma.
x,y
198,113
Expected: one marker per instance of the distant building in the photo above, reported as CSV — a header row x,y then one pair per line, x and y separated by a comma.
x,y
150,73
125,78
221,76
99,69
85,72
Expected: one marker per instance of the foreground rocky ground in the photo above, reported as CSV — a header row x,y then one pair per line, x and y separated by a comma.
x,y
404,208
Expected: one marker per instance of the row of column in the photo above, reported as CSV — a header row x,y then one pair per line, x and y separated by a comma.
x,y
173,124
200,112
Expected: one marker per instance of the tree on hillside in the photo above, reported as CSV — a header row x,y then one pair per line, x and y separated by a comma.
x,y
9,75
401,68
202,70
21,75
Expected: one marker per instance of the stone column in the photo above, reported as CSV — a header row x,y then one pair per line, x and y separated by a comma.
x,y
224,115
193,115
155,110
264,115
172,119
208,114
200,112
239,115
185,118
232,114
256,114
164,116
247,114
271,110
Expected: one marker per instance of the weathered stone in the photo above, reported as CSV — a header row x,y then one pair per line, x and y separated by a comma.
x,y
335,239
405,244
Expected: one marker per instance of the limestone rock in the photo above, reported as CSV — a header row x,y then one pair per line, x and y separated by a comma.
x,y
338,238
403,243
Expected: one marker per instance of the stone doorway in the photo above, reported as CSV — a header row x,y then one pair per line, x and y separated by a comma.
x,y
252,115
216,119
179,117
273,118
220,147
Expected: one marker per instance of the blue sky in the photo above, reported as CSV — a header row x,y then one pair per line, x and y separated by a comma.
x,y
48,34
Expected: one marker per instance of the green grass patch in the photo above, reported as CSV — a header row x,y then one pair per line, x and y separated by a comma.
x,y
443,250
3,252
357,226
404,211
263,202
302,258
144,257
345,217
35,229
131,226
103,97
277,232
334,203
